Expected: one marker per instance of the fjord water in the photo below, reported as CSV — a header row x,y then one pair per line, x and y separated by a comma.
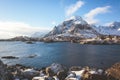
x,y
68,54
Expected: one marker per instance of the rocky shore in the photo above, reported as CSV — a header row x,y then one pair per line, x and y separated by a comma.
x,y
101,40
58,72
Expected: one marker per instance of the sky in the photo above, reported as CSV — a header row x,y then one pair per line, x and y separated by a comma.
x,y
25,17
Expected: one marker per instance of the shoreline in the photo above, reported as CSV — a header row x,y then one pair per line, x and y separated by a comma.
x,y
59,72
82,42
101,64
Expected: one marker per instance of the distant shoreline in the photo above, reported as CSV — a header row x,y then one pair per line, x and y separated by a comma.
x,y
100,40
81,42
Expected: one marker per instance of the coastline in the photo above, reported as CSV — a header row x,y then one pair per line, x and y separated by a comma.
x,y
58,72
101,40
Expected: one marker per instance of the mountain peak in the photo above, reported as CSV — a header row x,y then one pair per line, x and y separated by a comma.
x,y
115,24
77,20
74,26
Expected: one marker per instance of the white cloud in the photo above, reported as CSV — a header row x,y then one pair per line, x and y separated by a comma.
x,y
53,23
74,7
90,16
108,24
119,29
12,29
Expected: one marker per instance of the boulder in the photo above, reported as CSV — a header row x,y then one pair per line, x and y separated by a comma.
x,y
55,67
71,75
49,72
4,75
114,71
62,75
30,73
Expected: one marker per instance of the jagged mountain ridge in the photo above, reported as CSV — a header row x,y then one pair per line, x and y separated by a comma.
x,y
115,25
38,34
77,27
111,29
74,26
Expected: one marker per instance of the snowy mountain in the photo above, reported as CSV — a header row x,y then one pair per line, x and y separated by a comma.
x,y
76,29
75,26
39,34
115,25
111,29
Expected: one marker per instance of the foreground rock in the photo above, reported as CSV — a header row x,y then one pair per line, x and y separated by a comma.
x,y
85,74
114,71
4,74
58,72
55,67
20,72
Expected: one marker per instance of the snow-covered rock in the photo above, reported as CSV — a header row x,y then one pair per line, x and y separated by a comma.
x,y
77,20
111,29
44,78
55,67
39,34
71,75
75,75
38,78
56,78
79,73
93,72
29,73
100,71
115,25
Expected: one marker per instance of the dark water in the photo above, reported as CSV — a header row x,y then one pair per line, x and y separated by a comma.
x,y
69,54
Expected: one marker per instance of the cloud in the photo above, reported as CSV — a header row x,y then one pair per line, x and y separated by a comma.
x,y
119,29
74,7
108,24
90,16
53,23
12,29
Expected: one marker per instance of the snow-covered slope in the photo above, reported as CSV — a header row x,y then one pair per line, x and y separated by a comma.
x,y
39,34
111,29
74,26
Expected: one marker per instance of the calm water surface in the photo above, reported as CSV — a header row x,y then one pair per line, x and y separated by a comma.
x,y
69,54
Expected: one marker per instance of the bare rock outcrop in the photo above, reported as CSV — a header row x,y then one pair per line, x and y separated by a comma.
x,y
4,74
